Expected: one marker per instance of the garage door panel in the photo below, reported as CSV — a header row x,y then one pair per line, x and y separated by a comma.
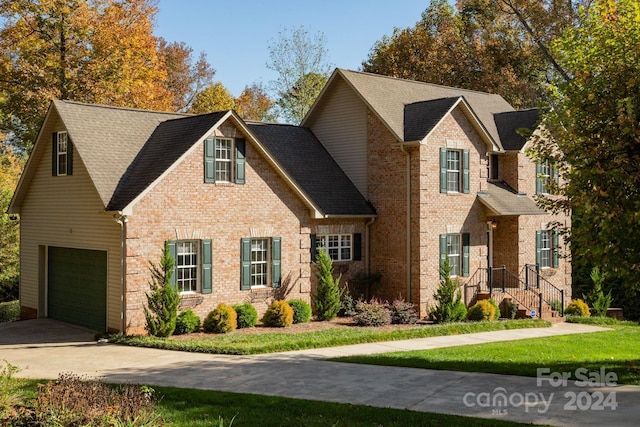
x,y
78,286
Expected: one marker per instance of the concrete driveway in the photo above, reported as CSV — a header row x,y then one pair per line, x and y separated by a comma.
x,y
44,348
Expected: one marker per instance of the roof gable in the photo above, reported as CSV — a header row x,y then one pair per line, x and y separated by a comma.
x,y
510,124
313,169
421,117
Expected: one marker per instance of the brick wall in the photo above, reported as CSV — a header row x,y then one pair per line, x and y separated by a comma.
x,y
182,206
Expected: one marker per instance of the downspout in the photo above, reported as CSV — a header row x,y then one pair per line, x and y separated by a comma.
x,y
122,220
408,249
367,260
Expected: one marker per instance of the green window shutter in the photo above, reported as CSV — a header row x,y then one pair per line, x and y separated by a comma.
x,y
207,273
69,156
276,261
245,264
466,240
538,247
209,160
556,249
172,248
443,252
314,248
465,171
54,154
357,247
240,160
539,183
443,170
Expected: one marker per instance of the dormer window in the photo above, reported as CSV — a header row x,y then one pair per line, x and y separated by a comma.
x,y
224,160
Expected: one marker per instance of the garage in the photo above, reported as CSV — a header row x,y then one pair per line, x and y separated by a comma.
x,y
77,287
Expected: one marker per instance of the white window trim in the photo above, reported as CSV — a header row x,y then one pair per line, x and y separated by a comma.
x,y
458,171
62,154
457,255
546,236
230,160
322,241
198,265
266,262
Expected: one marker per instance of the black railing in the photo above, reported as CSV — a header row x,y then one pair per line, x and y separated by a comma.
x,y
551,294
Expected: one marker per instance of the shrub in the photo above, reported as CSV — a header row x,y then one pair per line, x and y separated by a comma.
x,y
301,310
163,299
9,311
482,310
459,312
373,313
497,309
187,322
509,308
448,297
326,300
556,305
577,307
278,315
247,315
348,304
10,390
597,299
221,320
403,313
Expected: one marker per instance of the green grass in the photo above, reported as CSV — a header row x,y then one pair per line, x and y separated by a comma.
x,y
616,350
271,342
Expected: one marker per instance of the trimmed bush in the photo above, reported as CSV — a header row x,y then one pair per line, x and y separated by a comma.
x,y
509,308
577,307
278,315
9,311
497,309
373,313
247,315
403,313
221,320
482,310
187,322
459,312
301,310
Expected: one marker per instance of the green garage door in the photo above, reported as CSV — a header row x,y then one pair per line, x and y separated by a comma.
x,y
77,290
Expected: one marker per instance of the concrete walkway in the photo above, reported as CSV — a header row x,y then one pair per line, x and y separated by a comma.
x,y
44,348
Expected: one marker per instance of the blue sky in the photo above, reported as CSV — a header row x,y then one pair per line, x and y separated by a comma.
x,y
235,34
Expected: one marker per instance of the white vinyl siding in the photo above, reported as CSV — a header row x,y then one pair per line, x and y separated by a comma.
x,y
341,126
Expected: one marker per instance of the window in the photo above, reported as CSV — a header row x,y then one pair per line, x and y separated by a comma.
x,y
192,265
260,262
544,174
337,246
224,160
493,166
547,248
62,154
455,246
454,171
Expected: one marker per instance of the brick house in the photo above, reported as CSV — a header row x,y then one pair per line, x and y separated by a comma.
x,y
389,175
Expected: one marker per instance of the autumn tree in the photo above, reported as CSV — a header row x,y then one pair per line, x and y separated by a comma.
x,y
214,98
593,136
300,59
254,104
10,168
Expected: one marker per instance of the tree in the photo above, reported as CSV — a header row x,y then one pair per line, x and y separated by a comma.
x,y
478,45
299,58
163,298
326,299
214,98
449,306
254,104
185,79
592,136
96,51
10,169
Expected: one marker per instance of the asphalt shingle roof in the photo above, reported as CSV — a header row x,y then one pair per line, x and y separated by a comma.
x,y
421,117
510,123
311,166
502,200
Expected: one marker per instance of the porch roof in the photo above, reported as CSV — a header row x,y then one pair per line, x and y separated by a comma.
x,y
502,200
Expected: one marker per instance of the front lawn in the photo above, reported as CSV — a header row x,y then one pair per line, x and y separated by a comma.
x,y
272,341
617,350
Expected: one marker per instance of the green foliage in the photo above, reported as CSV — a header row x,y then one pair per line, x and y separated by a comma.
x,y
482,310
403,312
162,299
448,297
187,322
326,299
278,315
593,136
577,307
598,301
348,304
221,320
247,315
301,310
372,313
496,308
509,308
214,98
9,311
10,394
10,168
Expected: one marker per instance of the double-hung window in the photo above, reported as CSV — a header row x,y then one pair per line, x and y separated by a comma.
x,y
62,154
547,255
454,170
224,160
338,246
455,247
545,175
260,262
192,270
